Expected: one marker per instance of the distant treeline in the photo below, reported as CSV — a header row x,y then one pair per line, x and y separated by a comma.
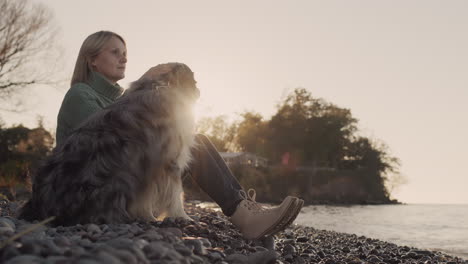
x,y
314,151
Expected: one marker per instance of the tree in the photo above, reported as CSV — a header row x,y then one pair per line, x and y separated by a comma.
x,y
310,130
21,151
252,133
27,38
220,132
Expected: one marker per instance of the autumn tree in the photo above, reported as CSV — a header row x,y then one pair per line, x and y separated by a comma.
x,y
220,132
252,133
21,151
27,47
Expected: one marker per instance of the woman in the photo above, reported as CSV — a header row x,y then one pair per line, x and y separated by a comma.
x,y
100,65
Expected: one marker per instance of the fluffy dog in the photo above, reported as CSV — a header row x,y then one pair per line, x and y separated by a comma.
x,y
125,162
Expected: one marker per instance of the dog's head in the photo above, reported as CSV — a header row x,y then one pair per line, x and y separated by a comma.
x,y
179,78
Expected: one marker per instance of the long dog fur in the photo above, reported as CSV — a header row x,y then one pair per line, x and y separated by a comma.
x,y
125,162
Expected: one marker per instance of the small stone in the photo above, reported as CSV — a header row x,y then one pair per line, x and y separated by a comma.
x,y
269,243
300,260
197,244
289,249
31,247
62,241
236,259
151,235
185,251
172,230
288,233
125,256
57,260
75,251
93,229
215,256
52,247
237,244
140,243
258,248
169,221
374,259
263,257
6,222
302,239
173,254
10,252
25,259
87,260
6,230
106,257
206,242
156,250
423,252
288,257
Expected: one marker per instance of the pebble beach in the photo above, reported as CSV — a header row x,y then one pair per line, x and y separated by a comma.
x,y
209,238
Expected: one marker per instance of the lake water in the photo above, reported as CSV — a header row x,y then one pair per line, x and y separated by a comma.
x,y
435,227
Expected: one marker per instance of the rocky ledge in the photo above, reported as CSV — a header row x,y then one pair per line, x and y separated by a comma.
x,y
210,238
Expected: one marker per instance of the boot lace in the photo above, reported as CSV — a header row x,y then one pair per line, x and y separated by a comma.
x,y
250,202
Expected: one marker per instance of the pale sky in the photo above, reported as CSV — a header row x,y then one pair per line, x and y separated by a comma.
x,y
400,66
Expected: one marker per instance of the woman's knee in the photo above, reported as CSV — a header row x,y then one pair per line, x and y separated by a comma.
x,y
200,138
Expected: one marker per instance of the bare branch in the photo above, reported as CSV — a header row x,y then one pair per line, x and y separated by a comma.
x,y
27,37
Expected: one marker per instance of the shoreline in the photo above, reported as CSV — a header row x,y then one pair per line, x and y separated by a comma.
x,y
211,238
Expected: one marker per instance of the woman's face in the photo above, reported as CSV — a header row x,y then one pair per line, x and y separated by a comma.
x,y
111,61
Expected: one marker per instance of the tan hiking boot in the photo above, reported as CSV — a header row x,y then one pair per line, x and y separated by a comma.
x,y
255,221
287,221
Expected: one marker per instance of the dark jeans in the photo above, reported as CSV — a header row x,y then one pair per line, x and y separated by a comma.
x,y
211,173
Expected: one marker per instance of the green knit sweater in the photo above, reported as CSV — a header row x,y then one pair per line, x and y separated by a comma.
x,y
82,100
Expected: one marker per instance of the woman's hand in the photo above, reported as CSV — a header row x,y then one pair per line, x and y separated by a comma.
x,y
155,72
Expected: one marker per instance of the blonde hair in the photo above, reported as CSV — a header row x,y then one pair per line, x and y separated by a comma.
x,y
90,49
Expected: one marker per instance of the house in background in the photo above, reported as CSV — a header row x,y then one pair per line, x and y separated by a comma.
x,y
243,158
